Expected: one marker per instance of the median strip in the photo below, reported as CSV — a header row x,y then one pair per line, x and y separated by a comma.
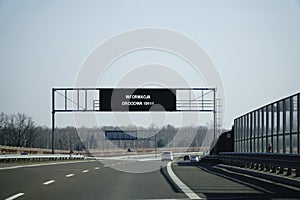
x,y
48,182
15,196
184,188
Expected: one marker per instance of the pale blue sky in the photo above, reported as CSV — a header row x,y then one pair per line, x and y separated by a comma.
x,y
255,46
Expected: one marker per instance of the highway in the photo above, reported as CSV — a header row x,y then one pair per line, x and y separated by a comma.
x,y
95,180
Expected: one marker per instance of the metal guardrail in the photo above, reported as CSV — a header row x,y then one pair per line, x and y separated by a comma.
x,y
18,150
141,151
39,157
273,162
146,156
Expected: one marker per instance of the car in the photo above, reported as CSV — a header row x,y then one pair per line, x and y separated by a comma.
x,y
187,157
167,155
195,158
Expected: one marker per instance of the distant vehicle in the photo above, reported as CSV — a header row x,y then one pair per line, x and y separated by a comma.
x,y
195,158
187,157
167,155
24,153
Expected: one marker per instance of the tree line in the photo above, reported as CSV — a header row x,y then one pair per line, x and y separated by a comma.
x,y
21,131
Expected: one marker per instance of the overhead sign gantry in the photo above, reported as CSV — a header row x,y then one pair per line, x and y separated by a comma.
x,y
133,100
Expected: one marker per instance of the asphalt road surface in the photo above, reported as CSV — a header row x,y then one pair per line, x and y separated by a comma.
x,y
94,180
217,182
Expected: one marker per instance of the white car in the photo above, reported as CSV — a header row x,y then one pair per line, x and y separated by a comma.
x,y
167,155
195,158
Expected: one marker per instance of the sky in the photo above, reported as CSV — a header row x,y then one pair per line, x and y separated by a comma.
x,y
254,45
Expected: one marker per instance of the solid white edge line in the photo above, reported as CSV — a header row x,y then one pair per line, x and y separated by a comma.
x,y
15,196
48,182
69,175
184,188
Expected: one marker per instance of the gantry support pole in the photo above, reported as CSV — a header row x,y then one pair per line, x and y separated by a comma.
x,y
53,119
214,113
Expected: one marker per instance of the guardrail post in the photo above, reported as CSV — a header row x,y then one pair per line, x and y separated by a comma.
x,y
267,168
289,171
273,169
298,172
281,169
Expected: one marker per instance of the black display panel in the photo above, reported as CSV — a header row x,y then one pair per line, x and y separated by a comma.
x,y
137,99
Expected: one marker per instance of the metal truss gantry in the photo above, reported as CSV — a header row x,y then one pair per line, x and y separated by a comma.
x,y
89,100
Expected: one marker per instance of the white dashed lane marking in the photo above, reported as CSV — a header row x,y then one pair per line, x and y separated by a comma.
x,y
119,163
15,196
48,182
69,175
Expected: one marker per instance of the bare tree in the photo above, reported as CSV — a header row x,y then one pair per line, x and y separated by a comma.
x,y
3,127
17,130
